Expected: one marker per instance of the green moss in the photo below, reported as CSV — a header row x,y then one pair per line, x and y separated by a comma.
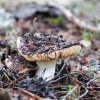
x,y
55,20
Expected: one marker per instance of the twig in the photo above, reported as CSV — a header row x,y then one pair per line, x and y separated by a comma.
x,y
75,80
34,97
58,79
15,81
86,91
70,92
72,18
60,92
58,86
91,81
7,77
19,79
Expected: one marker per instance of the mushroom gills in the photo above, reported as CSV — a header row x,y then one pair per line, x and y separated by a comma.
x,y
46,69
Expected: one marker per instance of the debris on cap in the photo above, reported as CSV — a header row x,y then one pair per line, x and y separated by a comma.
x,y
45,47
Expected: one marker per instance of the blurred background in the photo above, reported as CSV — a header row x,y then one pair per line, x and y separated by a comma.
x,y
20,16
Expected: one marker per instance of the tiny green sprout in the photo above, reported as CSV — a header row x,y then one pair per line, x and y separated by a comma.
x,y
69,87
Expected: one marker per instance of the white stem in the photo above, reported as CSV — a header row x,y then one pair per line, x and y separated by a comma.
x,y
49,66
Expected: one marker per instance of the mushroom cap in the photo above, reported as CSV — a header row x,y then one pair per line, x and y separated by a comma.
x,y
39,47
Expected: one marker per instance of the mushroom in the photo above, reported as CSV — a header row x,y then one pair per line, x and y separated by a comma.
x,y
46,49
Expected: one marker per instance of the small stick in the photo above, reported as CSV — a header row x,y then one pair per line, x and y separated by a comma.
x,y
92,81
35,97
7,77
15,81
58,79
86,91
20,78
70,92
58,86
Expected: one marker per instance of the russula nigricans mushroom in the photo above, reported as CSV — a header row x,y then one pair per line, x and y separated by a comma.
x,y
45,49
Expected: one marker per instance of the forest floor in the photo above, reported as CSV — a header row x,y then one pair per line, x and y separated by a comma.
x,y
76,78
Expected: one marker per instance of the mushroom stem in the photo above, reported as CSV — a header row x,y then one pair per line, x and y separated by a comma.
x,y
46,69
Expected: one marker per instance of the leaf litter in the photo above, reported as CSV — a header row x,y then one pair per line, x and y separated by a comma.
x,y
76,78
